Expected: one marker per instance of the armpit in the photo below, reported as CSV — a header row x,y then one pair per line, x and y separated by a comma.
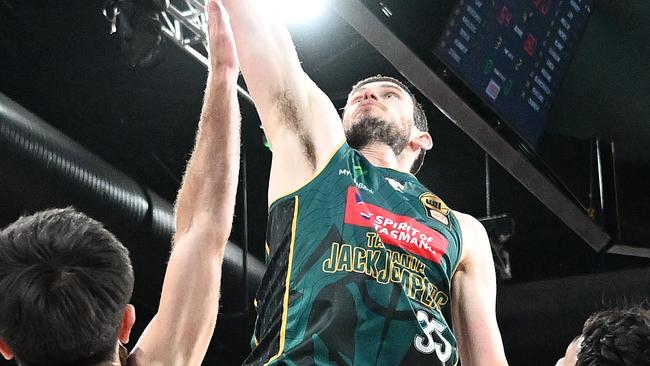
x,y
290,116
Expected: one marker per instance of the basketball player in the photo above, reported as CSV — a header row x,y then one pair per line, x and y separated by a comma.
x,y
613,337
65,281
366,266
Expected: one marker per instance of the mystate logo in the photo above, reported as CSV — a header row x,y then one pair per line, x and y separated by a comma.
x,y
395,230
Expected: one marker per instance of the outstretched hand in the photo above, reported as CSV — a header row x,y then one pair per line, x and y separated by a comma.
x,y
223,53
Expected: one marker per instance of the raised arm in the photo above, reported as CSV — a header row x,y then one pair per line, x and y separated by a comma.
x,y
474,299
180,332
299,120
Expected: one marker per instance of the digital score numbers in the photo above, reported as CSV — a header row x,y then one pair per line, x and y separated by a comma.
x,y
514,53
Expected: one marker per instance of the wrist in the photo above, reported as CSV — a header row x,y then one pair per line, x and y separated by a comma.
x,y
223,71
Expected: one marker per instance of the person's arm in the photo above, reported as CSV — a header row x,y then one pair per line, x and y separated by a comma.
x,y
180,332
299,120
474,299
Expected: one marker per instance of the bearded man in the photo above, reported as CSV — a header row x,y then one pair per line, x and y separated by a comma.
x,y
366,266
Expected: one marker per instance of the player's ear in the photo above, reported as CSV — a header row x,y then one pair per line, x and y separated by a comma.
x,y
128,319
5,351
421,140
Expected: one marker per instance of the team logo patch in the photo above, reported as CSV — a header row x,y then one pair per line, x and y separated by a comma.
x,y
395,230
434,207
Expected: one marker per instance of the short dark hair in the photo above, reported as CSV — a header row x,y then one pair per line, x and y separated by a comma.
x,y
65,281
616,337
419,117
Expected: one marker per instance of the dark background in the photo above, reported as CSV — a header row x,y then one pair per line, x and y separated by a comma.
x,y
58,60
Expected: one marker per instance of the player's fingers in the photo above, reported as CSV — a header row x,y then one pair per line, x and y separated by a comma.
x,y
215,17
220,36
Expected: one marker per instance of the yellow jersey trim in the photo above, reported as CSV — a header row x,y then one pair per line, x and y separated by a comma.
x,y
461,245
285,303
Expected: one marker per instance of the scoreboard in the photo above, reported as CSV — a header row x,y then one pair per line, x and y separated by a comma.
x,y
514,53
511,54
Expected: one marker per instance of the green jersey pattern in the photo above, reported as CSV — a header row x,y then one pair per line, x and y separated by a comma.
x,y
359,265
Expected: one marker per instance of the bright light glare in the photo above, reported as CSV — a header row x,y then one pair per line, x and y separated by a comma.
x,y
295,11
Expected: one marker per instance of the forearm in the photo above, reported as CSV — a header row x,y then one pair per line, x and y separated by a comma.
x,y
269,62
207,196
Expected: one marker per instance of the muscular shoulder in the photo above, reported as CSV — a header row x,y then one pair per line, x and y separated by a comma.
x,y
474,237
472,230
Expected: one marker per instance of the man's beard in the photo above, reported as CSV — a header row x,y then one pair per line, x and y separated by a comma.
x,y
370,130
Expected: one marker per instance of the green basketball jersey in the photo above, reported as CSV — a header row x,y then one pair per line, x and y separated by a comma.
x,y
359,265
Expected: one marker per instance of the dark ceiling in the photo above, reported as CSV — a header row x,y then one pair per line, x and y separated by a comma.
x,y
59,61
607,91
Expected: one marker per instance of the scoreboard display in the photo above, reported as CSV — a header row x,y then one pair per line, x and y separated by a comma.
x,y
512,54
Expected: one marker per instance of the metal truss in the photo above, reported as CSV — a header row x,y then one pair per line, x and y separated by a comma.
x,y
186,24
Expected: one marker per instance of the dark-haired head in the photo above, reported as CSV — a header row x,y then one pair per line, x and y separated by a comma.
x,y
618,337
65,283
419,117
399,121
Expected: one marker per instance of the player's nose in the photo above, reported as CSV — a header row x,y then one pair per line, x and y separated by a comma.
x,y
369,94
